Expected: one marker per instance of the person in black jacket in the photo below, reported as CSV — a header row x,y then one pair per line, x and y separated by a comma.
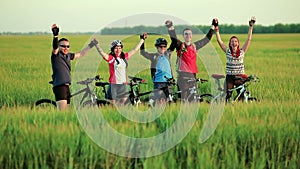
x,y
61,67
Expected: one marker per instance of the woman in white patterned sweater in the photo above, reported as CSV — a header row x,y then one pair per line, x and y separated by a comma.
x,y
234,57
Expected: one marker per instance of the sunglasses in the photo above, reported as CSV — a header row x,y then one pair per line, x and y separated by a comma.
x,y
65,46
162,46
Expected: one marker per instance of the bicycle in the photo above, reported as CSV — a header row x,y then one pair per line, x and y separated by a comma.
x,y
243,95
87,93
104,91
168,91
172,96
194,96
134,94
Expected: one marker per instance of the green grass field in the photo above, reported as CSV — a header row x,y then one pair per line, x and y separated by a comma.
x,y
256,135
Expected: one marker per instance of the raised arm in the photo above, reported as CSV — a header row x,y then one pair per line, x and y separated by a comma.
x,y
100,51
201,43
83,52
248,41
143,52
137,46
220,42
175,42
55,31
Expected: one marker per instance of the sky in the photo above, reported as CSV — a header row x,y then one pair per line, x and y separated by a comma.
x,y
93,15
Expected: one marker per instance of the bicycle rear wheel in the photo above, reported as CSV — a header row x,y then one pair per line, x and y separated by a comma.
x,y
206,98
45,103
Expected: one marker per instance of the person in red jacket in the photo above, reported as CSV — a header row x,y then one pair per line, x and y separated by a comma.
x,y
187,57
117,63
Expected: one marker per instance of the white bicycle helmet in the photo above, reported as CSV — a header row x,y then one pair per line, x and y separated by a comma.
x,y
115,43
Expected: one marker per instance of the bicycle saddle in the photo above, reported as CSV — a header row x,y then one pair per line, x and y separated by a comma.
x,y
217,76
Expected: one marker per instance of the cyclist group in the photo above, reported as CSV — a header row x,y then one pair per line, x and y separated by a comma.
x,y
161,70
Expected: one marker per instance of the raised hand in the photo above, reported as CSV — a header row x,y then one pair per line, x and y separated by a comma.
x,y
252,21
169,23
215,22
55,30
143,36
93,43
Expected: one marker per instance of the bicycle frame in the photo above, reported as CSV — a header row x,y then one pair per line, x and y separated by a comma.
x,y
87,93
134,92
242,89
194,95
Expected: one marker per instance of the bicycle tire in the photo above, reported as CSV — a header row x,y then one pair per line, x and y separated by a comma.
x,y
98,103
207,98
252,99
88,103
45,102
102,102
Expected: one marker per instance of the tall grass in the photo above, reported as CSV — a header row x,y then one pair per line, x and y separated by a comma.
x,y
247,137
258,135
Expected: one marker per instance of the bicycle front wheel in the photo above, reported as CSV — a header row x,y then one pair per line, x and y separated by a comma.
x,y
252,99
89,103
98,103
206,98
45,103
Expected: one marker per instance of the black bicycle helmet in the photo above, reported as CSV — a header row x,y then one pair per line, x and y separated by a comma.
x,y
161,41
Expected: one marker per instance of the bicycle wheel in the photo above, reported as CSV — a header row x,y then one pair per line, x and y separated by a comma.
x,y
102,102
252,99
206,98
45,103
98,103
89,103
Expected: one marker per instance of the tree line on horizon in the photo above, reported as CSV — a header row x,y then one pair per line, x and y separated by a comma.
x,y
200,29
224,29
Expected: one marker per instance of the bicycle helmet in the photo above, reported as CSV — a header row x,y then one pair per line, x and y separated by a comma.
x,y
115,43
161,41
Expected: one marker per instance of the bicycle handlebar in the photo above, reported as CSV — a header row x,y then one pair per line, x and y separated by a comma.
x,y
197,80
253,78
170,81
135,81
201,80
173,82
89,80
